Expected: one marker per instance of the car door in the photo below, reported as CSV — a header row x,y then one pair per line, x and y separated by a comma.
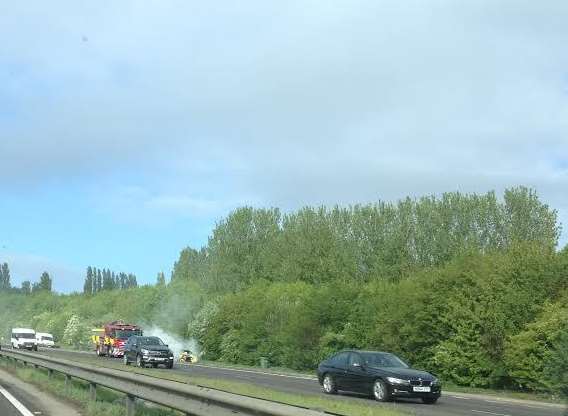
x,y
356,377
337,369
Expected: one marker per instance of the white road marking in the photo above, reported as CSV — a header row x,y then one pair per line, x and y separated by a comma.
x,y
490,413
19,406
461,397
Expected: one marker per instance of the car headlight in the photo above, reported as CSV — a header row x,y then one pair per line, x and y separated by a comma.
x,y
144,351
394,380
435,381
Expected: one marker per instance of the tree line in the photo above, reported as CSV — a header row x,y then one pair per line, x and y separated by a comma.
x,y
27,287
97,280
363,242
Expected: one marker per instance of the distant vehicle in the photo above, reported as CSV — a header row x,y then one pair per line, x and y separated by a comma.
x,y
147,350
44,339
23,338
186,356
380,374
110,339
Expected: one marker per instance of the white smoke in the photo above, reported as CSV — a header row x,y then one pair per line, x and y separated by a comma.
x,y
176,343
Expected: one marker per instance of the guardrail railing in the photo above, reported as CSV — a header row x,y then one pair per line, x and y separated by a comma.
x,y
190,399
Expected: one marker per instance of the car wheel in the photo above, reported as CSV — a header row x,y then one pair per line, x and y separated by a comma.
x,y
328,384
139,361
429,400
125,360
381,391
170,365
154,365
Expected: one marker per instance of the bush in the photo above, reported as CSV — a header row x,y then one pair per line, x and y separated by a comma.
x,y
536,356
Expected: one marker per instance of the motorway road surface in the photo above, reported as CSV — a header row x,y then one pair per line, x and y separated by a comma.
x,y
449,404
18,398
15,401
8,409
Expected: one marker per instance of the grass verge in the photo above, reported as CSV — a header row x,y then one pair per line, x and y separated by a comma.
x,y
108,402
508,394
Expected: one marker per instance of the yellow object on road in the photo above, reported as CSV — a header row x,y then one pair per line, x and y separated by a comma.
x,y
187,356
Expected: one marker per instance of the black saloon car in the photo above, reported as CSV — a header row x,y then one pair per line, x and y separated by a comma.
x,y
380,374
147,350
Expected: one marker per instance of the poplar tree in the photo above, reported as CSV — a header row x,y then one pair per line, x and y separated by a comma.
x,y
88,286
161,279
5,277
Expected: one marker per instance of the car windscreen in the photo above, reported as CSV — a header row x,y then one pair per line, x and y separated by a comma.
x,y
25,335
382,359
126,334
150,341
44,338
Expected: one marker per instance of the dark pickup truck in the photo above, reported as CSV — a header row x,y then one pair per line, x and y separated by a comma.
x,y
147,350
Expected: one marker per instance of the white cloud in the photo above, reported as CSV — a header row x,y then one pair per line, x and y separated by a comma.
x,y
292,103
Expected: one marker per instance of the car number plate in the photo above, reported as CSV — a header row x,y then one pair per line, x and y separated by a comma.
x,y
421,389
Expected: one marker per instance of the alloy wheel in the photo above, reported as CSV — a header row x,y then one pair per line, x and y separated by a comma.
x,y
379,391
328,384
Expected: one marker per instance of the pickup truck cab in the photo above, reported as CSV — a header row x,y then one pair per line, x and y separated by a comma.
x,y
44,339
23,338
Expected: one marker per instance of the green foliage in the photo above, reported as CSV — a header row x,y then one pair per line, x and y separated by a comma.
x,y
556,369
455,320
5,277
44,283
537,356
97,280
76,332
364,242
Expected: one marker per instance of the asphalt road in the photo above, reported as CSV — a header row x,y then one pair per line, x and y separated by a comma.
x,y
18,398
449,404
6,408
25,405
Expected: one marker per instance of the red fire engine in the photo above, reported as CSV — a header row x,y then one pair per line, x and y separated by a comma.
x,y
110,339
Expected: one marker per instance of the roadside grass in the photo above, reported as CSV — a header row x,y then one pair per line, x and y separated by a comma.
x,y
348,407
108,403
509,394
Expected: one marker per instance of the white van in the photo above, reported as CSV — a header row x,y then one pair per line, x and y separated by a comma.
x,y
24,338
44,339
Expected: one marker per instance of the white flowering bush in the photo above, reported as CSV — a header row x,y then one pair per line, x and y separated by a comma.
x,y
76,332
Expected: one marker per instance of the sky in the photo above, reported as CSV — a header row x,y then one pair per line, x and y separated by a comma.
x,y
128,129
